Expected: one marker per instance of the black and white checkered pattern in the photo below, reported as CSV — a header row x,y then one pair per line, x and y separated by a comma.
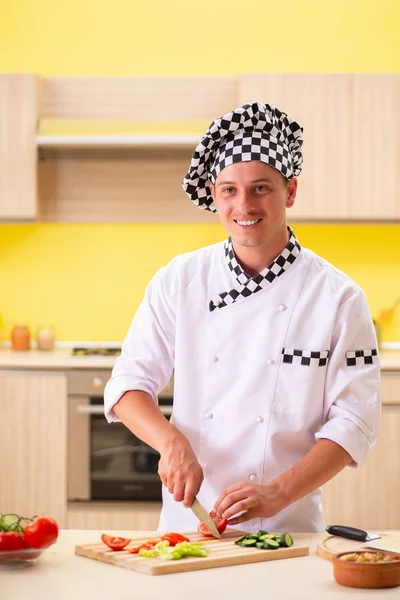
x,y
306,358
253,131
251,285
359,358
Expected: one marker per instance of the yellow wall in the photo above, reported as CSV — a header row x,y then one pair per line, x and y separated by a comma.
x,y
87,280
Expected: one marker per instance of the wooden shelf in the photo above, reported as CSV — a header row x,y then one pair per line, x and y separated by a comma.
x,y
116,141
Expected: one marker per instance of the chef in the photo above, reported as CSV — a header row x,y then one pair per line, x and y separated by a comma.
x,y
273,349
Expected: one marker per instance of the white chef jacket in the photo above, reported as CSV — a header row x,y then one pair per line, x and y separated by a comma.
x,y
249,405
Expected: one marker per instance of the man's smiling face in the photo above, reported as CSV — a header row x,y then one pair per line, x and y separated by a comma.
x,y
251,199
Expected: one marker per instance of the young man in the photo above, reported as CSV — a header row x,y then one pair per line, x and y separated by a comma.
x,y
273,349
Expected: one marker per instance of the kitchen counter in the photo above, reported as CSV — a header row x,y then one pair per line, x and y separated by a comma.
x,y
62,575
61,359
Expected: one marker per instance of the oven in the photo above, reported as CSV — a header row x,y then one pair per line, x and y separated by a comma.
x,y
105,460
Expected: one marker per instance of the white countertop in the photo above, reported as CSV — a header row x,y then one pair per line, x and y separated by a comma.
x,y
61,359
60,575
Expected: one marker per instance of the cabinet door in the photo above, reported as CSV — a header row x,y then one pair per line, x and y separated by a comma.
x,y
369,497
18,118
321,103
375,147
33,444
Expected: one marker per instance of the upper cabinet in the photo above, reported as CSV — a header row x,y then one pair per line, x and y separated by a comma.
x,y
18,162
351,141
100,149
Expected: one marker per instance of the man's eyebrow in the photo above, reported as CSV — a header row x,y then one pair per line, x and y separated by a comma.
x,y
254,181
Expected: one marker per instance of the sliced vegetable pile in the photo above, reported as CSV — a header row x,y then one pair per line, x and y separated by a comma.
x,y
265,541
19,533
171,546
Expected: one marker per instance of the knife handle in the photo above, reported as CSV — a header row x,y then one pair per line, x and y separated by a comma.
x,y
352,533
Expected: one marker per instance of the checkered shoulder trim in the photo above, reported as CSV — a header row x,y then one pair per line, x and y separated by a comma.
x,y
359,358
306,358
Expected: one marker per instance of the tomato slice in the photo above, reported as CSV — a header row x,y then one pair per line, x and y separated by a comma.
x,y
146,546
174,538
219,522
115,543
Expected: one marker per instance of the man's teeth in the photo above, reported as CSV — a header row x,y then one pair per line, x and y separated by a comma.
x,y
249,222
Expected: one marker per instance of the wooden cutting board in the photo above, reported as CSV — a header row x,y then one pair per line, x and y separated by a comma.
x,y
334,544
223,553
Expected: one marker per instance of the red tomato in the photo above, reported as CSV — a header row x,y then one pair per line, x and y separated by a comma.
x,y
11,540
219,522
174,538
115,543
41,532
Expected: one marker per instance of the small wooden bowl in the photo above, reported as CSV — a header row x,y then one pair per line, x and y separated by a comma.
x,y
367,574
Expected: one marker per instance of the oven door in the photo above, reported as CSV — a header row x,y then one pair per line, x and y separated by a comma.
x,y
122,467
105,460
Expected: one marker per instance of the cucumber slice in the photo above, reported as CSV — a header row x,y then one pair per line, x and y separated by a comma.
x,y
260,545
248,543
270,544
286,540
253,536
244,537
262,532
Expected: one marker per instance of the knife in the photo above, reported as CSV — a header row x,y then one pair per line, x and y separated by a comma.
x,y
203,516
352,533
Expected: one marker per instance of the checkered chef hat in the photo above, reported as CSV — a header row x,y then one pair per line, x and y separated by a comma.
x,y
253,131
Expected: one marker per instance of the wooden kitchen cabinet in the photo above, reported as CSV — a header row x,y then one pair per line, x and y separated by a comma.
x,y
18,151
103,149
369,497
351,141
140,516
33,443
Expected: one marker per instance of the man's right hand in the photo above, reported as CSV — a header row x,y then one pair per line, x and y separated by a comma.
x,y
179,469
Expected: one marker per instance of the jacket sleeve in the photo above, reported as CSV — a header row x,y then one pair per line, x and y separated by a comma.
x,y
147,356
352,390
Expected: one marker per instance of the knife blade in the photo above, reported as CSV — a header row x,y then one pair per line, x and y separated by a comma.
x,y
352,533
204,517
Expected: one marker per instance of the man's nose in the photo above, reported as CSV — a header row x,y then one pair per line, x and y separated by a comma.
x,y
245,202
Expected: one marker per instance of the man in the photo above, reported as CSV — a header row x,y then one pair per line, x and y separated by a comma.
x,y
273,349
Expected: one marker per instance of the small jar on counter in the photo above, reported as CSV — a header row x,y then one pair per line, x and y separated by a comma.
x,y
45,338
20,338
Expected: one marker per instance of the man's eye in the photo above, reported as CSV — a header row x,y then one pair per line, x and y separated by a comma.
x,y
261,188
228,190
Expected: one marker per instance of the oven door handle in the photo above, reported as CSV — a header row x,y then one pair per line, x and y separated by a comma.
x,y
90,409
98,409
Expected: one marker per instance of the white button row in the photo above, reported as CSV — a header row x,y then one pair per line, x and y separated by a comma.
x,y
282,307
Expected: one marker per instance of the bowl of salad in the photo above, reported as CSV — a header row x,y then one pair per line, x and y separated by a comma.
x,y
24,539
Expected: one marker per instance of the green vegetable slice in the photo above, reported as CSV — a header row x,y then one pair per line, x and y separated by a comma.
x,y
270,544
286,540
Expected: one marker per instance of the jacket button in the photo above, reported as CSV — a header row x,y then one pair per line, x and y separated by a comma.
x,y
260,420
215,358
270,361
252,477
209,415
282,307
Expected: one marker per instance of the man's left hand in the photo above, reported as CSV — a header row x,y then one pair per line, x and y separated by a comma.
x,y
249,499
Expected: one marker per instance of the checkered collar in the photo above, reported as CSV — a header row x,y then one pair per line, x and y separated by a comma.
x,y
251,285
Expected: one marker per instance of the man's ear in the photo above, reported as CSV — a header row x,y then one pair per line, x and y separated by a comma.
x,y
212,190
291,190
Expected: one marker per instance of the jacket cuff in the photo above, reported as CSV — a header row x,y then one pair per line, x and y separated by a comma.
x,y
116,388
349,436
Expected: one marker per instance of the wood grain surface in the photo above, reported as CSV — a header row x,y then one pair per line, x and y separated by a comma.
x,y
223,553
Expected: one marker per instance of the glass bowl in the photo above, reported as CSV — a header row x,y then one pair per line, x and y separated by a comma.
x,y
16,559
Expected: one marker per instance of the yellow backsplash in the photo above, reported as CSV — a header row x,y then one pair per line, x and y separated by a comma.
x,y
87,280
